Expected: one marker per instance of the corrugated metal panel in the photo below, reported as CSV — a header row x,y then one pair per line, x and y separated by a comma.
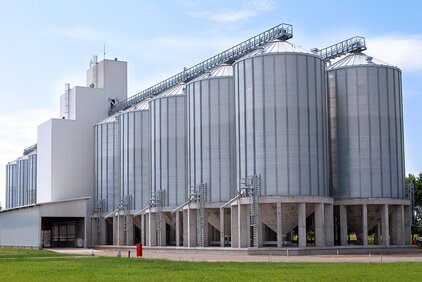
x,y
366,130
168,145
211,131
281,119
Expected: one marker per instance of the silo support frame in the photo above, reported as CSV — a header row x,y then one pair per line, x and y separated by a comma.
x,y
329,224
343,225
365,224
302,224
319,225
385,227
279,226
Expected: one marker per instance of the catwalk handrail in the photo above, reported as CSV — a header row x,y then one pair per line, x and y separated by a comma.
x,y
282,31
354,44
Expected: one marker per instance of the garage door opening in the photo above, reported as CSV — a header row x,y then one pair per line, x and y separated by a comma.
x,y
63,232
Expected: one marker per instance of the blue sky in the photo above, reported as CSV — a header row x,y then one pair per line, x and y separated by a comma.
x,y
44,44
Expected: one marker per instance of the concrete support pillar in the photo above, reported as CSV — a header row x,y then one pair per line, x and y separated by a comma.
x,y
243,222
177,214
319,225
128,230
329,225
343,225
152,229
118,231
143,233
222,234
279,226
385,226
301,211
192,227
365,224
234,227
397,225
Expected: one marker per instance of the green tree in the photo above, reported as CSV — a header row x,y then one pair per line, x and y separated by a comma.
x,y
416,180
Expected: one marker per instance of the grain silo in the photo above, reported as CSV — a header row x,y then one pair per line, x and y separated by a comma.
x,y
22,180
367,151
32,177
211,146
11,185
282,141
135,180
168,165
107,193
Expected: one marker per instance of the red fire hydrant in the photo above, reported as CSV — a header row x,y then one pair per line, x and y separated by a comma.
x,y
139,250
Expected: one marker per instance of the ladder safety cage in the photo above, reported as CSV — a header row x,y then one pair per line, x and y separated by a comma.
x,y
282,31
351,45
125,206
250,187
157,202
410,194
199,196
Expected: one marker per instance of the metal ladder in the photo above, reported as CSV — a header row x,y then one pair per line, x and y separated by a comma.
x,y
125,206
410,194
199,196
157,201
250,187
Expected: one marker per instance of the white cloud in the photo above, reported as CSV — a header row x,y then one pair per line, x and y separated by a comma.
x,y
18,131
402,51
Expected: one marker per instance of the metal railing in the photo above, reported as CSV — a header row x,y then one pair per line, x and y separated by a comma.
x,y
354,44
282,31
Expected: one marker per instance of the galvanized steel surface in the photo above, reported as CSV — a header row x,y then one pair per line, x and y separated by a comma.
x,y
135,156
211,134
168,145
367,150
107,159
281,122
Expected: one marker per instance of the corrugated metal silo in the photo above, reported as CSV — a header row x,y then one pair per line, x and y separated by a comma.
x,y
168,145
22,180
32,178
367,151
107,163
211,133
281,120
135,156
11,185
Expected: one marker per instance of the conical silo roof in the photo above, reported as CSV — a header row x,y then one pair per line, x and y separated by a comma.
x,y
356,59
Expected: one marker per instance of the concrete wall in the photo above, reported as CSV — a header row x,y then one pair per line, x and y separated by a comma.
x,y
66,146
20,228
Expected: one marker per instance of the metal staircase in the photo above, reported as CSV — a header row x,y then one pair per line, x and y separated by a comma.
x,y
282,31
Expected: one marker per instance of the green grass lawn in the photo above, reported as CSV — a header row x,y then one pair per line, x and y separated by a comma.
x,y
35,266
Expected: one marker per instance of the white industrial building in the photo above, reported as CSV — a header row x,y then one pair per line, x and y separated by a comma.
x,y
265,144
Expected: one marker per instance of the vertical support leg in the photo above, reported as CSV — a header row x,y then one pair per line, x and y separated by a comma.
x,y
152,230
403,229
329,225
343,225
385,226
177,229
319,225
143,229
302,224
279,226
365,224
192,227
222,234
234,227
243,222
